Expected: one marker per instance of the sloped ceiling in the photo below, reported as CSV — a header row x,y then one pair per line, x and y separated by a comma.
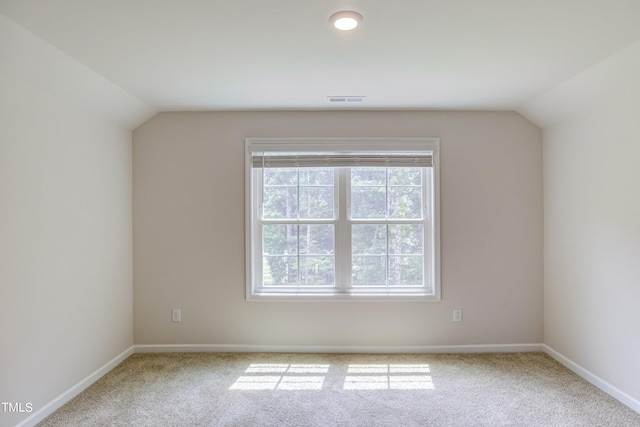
x,y
283,54
29,63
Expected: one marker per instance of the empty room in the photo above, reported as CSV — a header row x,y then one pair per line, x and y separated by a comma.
x,y
319,213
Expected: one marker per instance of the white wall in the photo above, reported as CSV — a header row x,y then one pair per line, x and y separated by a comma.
x,y
65,221
592,219
189,233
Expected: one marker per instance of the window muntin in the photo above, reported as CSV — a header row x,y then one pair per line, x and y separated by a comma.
x,y
346,230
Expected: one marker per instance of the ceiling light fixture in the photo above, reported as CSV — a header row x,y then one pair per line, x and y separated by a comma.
x,y
345,20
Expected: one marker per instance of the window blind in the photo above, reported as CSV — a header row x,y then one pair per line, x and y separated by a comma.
x,y
332,160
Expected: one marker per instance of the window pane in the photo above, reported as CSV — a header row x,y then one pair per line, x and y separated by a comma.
x,y
280,270
280,248
280,239
368,176
369,270
368,202
317,239
369,239
317,270
406,270
280,202
317,176
406,239
405,202
316,202
280,176
368,193
404,176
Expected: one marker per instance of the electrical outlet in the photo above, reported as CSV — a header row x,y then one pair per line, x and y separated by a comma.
x,y
176,315
457,315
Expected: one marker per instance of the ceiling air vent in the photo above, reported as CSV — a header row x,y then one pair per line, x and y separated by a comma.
x,y
345,99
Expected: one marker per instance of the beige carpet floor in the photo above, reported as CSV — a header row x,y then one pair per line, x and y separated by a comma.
x,y
271,389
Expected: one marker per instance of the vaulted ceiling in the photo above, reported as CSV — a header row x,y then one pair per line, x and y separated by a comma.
x,y
283,54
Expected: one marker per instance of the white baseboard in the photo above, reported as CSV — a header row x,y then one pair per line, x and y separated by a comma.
x,y
594,379
238,348
65,397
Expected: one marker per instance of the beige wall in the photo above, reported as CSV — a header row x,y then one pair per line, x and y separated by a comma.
x,y
66,291
592,220
189,233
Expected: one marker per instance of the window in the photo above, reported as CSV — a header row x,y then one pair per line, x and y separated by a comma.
x,y
352,219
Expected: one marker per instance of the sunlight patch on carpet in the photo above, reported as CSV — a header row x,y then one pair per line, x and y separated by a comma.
x,y
294,377
381,376
388,377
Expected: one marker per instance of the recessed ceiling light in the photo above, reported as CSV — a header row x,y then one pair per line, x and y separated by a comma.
x,y
345,20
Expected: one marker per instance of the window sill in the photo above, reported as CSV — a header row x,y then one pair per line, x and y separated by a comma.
x,y
341,297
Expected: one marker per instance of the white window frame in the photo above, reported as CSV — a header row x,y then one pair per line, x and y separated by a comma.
x,y
342,292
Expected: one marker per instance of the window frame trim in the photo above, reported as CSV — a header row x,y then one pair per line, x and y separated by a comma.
x,y
343,144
